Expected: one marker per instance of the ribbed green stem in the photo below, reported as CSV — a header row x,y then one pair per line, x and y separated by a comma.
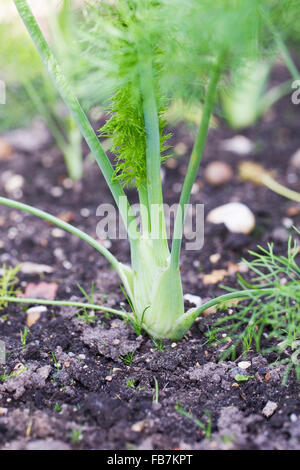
x,y
144,208
193,167
75,109
63,303
190,316
153,158
64,225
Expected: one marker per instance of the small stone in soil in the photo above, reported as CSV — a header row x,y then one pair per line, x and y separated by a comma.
x,y
34,268
13,184
193,299
180,148
33,314
58,233
237,217
56,191
269,409
218,173
215,258
295,159
244,364
238,144
138,427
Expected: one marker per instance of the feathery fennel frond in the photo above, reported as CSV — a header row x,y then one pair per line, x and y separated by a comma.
x,y
126,129
274,315
8,281
122,31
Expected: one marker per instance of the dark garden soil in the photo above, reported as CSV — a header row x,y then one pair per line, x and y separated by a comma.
x,y
92,399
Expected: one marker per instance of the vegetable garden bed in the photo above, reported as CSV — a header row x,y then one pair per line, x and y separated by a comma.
x,y
109,343
93,398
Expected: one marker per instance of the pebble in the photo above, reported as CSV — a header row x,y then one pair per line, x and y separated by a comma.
x,y
106,243
34,268
33,314
237,217
108,378
3,411
244,364
287,222
215,258
218,173
295,159
82,356
14,183
12,233
195,188
59,253
171,163
269,409
193,299
67,264
293,418
84,212
58,233
238,144
138,427
56,191
68,183
181,148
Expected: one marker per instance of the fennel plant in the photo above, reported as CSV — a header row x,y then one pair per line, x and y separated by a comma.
x,y
34,88
248,98
148,52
